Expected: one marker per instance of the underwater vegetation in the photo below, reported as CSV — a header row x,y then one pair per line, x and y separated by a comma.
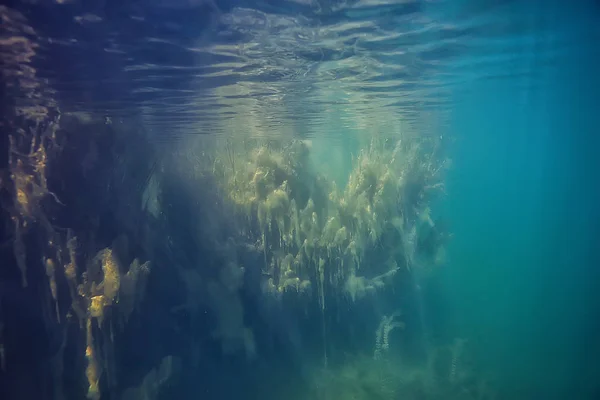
x,y
75,283
224,257
150,272
330,242
369,378
154,277
335,254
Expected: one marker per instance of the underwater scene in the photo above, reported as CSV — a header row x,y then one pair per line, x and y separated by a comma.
x,y
299,200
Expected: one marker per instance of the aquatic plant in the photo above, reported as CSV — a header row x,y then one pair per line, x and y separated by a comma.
x,y
77,278
321,245
318,245
309,231
388,324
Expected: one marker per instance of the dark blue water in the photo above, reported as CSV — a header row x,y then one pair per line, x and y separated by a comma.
x,y
509,91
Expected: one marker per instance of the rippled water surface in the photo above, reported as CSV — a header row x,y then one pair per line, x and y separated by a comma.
x,y
298,66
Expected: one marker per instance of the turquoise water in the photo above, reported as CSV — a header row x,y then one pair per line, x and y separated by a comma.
x,y
300,199
525,217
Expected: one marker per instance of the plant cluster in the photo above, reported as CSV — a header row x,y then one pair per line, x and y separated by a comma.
x,y
314,235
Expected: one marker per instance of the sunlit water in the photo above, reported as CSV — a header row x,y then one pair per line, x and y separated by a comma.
x,y
288,67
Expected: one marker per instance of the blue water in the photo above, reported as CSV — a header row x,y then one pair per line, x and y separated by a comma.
x,y
509,88
525,259
196,63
